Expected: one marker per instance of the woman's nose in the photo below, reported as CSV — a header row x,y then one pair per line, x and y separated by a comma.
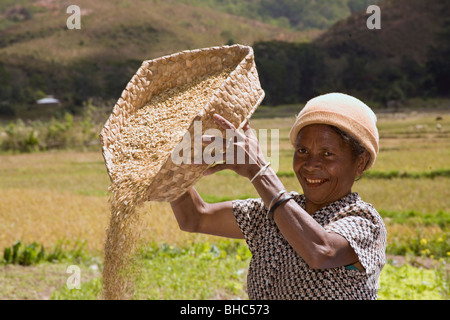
x,y
313,162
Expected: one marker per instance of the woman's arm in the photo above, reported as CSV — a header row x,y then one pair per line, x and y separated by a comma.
x,y
195,215
319,248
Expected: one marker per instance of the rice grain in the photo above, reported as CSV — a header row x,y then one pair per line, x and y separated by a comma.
x,y
146,140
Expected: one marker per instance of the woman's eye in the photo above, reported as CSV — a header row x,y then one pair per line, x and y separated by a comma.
x,y
327,154
302,150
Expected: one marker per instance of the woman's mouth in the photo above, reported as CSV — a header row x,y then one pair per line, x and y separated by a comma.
x,y
315,182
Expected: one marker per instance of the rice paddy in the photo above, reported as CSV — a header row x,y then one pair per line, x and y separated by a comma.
x,y
47,197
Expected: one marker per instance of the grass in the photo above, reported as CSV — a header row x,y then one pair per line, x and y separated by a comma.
x,y
406,282
198,271
49,197
38,282
171,272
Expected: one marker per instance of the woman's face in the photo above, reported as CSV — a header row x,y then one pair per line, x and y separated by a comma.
x,y
324,165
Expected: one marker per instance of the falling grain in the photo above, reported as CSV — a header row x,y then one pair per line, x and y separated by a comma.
x,y
146,141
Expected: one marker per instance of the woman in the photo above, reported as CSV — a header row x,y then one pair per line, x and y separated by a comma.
x,y
324,244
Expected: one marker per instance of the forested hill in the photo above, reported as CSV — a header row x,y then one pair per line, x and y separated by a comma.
x,y
407,58
408,28
297,55
40,56
296,14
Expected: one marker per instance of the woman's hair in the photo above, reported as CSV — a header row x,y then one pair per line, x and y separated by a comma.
x,y
356,147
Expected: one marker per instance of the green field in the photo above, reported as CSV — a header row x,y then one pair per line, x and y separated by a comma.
x,y
59,200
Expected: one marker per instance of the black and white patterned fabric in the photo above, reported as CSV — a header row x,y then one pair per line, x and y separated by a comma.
x,y
276,271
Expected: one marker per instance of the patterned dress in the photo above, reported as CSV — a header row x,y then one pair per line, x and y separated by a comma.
x,y
276,271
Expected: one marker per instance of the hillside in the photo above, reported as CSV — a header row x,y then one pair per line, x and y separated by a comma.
x,y
39,55
136,29
408,28
295,14
407,58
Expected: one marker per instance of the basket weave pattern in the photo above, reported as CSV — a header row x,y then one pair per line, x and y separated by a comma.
x,y
236,100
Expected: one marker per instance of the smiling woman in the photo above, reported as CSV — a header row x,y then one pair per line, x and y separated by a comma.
x,y
324,244
325,165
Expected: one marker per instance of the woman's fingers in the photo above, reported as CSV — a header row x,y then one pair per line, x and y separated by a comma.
x,y
246,128
216,142
222,122
232,151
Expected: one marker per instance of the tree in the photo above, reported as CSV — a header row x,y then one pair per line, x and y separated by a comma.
x,y
289,72
438,64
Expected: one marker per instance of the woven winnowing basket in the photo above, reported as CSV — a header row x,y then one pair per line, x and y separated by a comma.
x,y
236,100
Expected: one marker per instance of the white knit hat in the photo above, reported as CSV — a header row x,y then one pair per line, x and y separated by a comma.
x,y
344,112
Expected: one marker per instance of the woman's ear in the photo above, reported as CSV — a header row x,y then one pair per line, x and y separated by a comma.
x,y
363,160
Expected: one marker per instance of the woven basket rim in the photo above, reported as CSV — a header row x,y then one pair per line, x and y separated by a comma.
x,y
144,71
149,62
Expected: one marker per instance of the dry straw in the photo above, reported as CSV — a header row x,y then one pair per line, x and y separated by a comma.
x,y
158,107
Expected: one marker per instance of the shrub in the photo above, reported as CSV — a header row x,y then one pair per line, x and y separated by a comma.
x,y
23,255
34,253
63,133
20,137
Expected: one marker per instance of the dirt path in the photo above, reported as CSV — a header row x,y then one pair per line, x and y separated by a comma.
x,y
37,282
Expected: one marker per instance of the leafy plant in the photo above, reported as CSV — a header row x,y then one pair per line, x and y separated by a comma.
x,y
406,282
62,252
24,255
34,253
31,254
58,133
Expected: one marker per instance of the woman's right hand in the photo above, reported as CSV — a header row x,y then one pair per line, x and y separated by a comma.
x,y
245,151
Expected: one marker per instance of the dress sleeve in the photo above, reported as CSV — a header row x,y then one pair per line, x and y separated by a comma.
x,y
365,231
250,217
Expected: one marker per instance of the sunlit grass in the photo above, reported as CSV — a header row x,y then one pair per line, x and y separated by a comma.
x,y
75,172
423,195
42,188
47,216
196,270
50,196
406,282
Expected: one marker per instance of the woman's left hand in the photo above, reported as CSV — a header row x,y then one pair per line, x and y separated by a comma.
x,y
242,150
